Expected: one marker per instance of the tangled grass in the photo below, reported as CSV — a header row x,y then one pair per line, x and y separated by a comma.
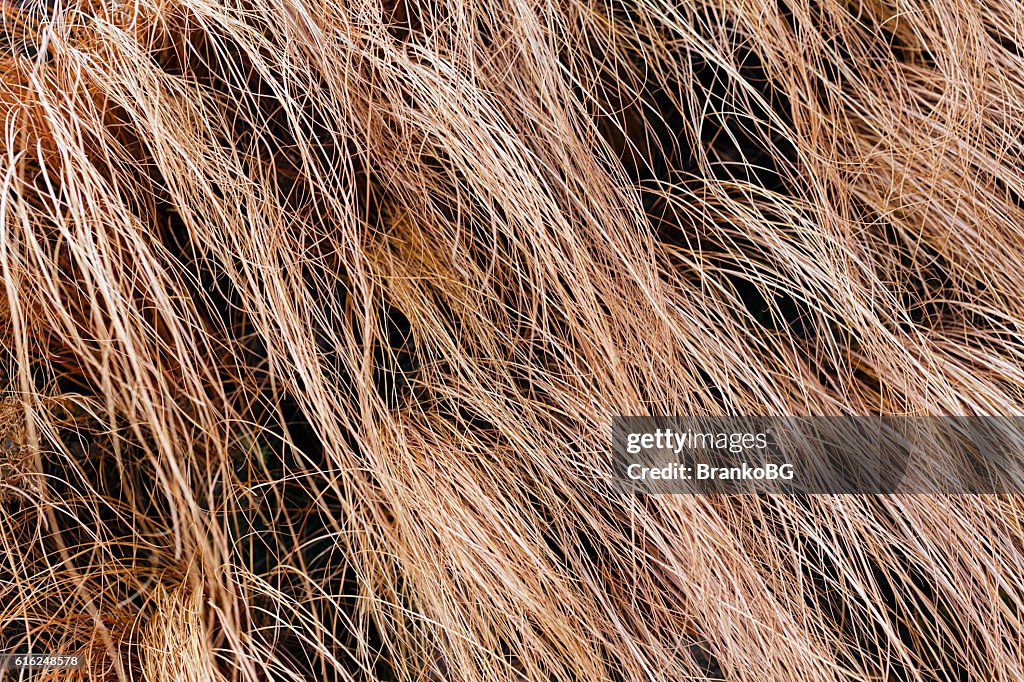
x,y
315,316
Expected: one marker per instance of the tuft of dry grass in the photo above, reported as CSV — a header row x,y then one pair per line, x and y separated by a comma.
x,y
315,317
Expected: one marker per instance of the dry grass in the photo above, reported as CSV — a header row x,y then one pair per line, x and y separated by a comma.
x,y
315,316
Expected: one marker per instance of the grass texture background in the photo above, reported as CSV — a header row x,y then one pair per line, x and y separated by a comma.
x,y
315,316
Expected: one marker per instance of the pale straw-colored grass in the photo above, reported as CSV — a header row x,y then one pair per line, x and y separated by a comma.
x,y
317,314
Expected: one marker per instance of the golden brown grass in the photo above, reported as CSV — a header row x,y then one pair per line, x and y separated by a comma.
x,y
315,316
